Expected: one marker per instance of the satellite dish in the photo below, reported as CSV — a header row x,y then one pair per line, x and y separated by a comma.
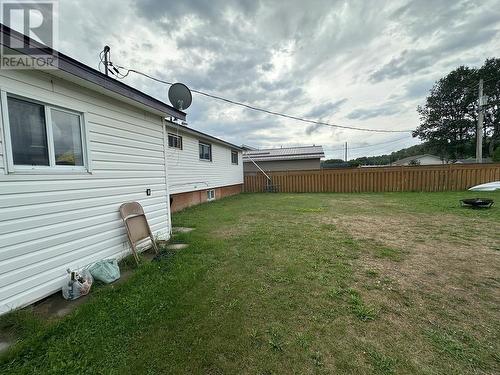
x,y
180,96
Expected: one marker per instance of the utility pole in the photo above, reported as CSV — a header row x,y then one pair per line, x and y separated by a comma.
x,y
479,130
346,152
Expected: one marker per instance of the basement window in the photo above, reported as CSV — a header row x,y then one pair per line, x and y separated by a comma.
x,y
41,137
234,157
174,141
210,195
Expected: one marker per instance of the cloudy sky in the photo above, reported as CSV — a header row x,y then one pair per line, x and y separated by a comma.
x,y
356,63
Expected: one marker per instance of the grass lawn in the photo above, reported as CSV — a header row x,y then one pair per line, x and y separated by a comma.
x,y
294,283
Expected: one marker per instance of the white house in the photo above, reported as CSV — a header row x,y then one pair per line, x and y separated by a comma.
x,y
425,159
74,146
201,167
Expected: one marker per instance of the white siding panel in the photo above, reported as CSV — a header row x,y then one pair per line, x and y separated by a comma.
x,y
42,186
32,222
51,222
126,134
186,172
123,150
130,143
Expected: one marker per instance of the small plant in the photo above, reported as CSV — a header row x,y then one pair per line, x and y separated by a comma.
x,y
389,253
382,364
317,359
275,339
358,307
372,273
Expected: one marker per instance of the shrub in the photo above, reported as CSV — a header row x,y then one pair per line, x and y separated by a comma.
x,y
496,154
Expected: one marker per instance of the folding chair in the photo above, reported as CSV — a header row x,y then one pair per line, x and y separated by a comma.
x,y
137,226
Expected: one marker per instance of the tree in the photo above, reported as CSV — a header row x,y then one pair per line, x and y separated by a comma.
x,y
490,73
496,155
448,118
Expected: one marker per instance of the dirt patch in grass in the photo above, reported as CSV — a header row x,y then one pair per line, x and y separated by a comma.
x,y
434,275
243,226
432,251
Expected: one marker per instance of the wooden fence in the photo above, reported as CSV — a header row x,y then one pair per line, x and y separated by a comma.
x,y
446,177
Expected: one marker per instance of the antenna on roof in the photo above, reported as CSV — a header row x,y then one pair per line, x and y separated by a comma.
x,y
106,58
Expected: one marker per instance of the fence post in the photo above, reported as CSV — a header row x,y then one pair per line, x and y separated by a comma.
x,y
449,177
401,183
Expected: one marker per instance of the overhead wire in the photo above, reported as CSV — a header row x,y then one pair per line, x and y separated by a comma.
x,y
368,146
382,150
258,109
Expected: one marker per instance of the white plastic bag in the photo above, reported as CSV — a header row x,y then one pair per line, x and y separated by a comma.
x,y
78,284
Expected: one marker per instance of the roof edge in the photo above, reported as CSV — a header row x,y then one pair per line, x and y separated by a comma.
x,y
201,134
74,67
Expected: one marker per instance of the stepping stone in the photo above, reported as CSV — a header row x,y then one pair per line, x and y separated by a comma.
x,y
181,230
177,246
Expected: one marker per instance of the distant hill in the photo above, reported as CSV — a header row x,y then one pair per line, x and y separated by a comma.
x,y
423,148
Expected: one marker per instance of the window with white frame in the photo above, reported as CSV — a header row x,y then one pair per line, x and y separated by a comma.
x,y
211,195
234,157
41,136
175,141
205,151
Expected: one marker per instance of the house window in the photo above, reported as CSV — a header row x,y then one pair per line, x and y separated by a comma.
x,y
234,157
28,133
175,141
205,151
211,195
40,136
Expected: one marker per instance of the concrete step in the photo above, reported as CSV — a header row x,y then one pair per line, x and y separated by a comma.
x,y
177,246
182,230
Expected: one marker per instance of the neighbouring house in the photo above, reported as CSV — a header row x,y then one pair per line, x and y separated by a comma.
x,y
201,167
472,161
283,159
425,159
74,145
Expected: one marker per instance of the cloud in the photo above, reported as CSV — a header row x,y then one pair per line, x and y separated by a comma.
x,y
313,128
418,89
370,113
325,109
474,31
291,57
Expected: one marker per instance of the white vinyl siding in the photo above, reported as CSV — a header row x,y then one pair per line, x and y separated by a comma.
x,y
186,172
50,222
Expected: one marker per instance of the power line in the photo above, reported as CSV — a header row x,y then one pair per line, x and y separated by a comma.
x,y
367,146
258,109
